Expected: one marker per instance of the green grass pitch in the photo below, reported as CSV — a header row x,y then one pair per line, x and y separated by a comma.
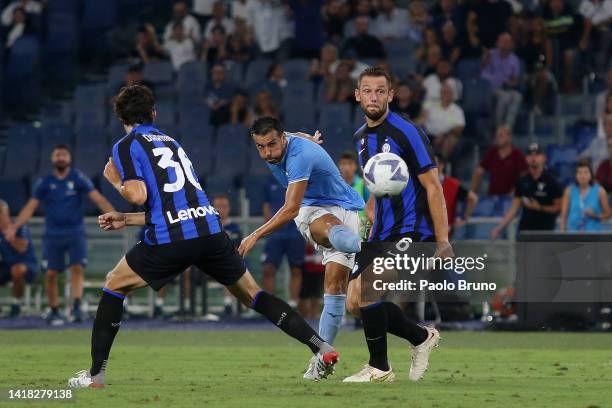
x,y
263,369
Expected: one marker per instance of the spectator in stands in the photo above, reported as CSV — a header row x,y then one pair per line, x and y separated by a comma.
x,y
601,128
504,163
325,65
179,47
133,76
418,21
240,112
356,67
430,40
264,105
17,259
537,193
604,170
147,47
454,192
335,14
268,20
502,69
180,14
18,27
62,193
433,82
364,44
444,121
362,8
598,148
241,45
239,9
405,104
600,102
340,87
569,34
537,53
597,18
391,22
286,241
449,42
432,59
443,12
222,204
471,46
276,81
28,7
492,18
585,203
311,289
218,94
214,47
219,19
309,29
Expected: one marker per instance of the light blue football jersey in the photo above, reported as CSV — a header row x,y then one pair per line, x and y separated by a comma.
x,y
306,160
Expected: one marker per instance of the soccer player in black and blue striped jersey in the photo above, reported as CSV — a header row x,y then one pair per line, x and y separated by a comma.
x,y
151,169
418,214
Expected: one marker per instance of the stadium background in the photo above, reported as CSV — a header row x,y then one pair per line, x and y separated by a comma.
x,y
61,71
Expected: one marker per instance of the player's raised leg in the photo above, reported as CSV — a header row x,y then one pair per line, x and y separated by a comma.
x,y
119,283
287,319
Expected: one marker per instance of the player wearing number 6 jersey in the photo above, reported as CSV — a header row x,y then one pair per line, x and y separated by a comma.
x,y
151,169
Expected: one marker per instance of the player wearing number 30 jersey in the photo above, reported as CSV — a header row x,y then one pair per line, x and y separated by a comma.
x,y
150,168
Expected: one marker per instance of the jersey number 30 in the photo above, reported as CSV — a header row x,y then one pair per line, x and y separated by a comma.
x,y
180,169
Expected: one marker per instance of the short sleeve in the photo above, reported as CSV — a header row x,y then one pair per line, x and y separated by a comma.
x,y
299,167
84,183
127,157
40,189
486,161
418,152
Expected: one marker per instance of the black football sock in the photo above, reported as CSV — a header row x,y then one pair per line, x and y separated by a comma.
x,y
105,328
399,325
374,319
287,319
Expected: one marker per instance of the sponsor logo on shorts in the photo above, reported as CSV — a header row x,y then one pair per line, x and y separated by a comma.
x,y
191,213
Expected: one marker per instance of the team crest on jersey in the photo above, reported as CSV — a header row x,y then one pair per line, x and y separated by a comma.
x,y
386,148
70,185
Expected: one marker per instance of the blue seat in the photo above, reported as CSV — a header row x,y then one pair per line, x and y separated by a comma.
x,y
166,114
334,113
24,57
255,189
399,48
233,135
62,34
231,158
158,72
90,117
468,68
299,116
99,14
403,67
256,71
92,151
486,207
22,152
193,114
298,91
296,70
63,6
337,138
198,143
562,155
257,165
477,97
14,192
191,81
573,105
116,77
89,97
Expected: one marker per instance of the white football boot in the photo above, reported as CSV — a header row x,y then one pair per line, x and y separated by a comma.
x,y
371,374
420,354
322,365
82,379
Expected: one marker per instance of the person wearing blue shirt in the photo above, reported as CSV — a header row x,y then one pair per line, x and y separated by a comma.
x,y
287,241
324,207
62,193
18,260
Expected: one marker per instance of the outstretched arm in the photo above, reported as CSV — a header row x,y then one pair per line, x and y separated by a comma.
x,y
101,202
289,210
116,220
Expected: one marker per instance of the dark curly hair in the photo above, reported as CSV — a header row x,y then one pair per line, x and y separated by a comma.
x,y
135,105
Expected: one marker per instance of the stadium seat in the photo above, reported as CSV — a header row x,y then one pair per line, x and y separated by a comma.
x,y
22,152
99,14
14,192
399,48
334,113
197,140
233,135
166,114
87,117
337,138
63,6
302,91
296,70
300,116
486,207
562,155
468,68
231,159
191,81
403,67
256,71
116,77
193,114
255,192
62,34
158,72
257,166
89,97
92,151
477,97
23,58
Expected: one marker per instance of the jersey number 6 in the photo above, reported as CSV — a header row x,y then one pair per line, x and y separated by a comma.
x,y
180,169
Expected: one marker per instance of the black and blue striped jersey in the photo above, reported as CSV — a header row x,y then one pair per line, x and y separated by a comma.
x,y
177,207
409,211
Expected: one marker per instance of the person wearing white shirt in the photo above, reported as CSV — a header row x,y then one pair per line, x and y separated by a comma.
x,y
596,11
218,19
392,22
239,8
29,6
18,28
267,19
190,23
203,8
179,47
433,82
444,121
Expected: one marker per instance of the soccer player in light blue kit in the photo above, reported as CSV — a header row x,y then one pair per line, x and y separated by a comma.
x,y
325,209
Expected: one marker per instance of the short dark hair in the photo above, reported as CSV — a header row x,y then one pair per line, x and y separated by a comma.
x,y
62,146
135,105
266,124
584,162
374,72
348,155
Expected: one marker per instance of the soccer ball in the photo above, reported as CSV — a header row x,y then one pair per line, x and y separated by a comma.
x,y
386,174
